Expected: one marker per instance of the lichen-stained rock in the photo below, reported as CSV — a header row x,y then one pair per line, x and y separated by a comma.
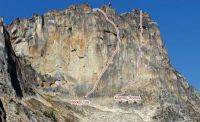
x,y
4,81
51,59
9,88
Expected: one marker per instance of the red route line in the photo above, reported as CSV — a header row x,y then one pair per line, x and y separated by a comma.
x,y
140,43
139,47
110,60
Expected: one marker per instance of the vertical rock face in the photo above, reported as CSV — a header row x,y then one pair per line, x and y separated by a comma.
x,y
8,86
3,82
48,60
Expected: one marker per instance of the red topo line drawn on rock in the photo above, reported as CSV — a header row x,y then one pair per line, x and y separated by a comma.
x,y
140,44
110,60
138,59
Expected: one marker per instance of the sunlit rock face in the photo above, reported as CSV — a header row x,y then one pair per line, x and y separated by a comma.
x,y
51,59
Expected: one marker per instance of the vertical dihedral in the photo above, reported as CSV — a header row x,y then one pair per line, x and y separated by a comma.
x,y
12,68
40,43
2,45
6,90
42,17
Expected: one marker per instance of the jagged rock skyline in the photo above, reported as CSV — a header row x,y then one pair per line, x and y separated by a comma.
x,y
51,60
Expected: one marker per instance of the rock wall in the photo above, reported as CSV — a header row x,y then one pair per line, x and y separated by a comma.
x,y
50,59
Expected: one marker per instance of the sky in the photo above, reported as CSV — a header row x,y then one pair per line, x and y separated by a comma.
x,y
179,22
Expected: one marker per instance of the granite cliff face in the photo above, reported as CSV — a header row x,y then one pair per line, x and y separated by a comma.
x,y
81,53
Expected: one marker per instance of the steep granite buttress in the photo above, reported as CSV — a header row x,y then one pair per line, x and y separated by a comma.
x,y
75,54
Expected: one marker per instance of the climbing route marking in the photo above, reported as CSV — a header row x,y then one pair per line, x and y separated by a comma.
x,y
140,44
110,60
